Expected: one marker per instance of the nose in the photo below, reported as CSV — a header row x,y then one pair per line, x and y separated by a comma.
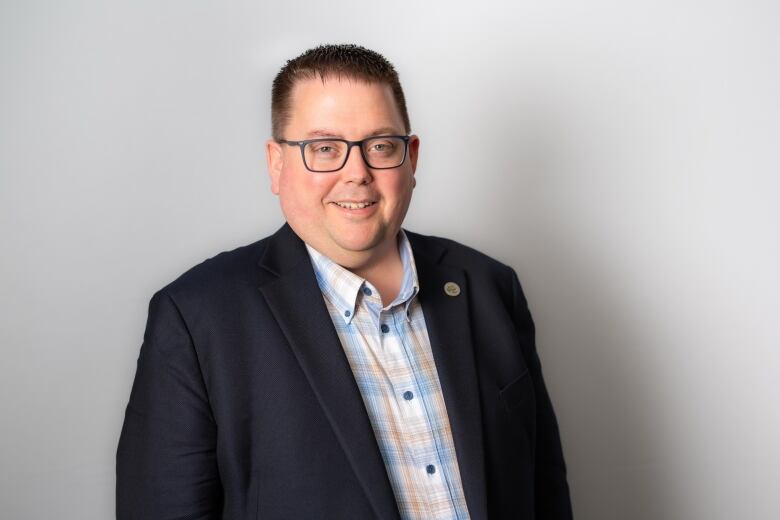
x,y
356,170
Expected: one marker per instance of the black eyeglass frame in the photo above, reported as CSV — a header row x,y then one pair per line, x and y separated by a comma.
x,y
350,144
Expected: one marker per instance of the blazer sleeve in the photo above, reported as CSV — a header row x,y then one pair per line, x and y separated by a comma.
x,y
552,498
166,459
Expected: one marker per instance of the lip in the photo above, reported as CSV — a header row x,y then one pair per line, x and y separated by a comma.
x,y
362,212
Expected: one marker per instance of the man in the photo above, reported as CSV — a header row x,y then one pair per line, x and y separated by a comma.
x,y
342,367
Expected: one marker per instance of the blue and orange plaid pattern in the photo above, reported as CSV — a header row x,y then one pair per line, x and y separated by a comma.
x,y
390,355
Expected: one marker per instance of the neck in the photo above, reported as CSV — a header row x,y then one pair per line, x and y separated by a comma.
x,y
382,268
385,273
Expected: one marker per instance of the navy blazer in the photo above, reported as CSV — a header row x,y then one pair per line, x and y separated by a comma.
x,y
244,405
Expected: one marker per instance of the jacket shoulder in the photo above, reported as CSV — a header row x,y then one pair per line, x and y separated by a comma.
x,y
492,282
457,254
222,273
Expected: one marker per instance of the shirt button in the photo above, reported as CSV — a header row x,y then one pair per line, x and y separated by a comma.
x,y
431,469
408,395
366,291
385,328
347,313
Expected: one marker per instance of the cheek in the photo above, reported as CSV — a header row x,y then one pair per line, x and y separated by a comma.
x,y
400,189
302,192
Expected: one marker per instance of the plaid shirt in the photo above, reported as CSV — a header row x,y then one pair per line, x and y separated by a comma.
x,y
390,355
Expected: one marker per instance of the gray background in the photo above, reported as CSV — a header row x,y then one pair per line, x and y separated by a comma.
x,y
622,156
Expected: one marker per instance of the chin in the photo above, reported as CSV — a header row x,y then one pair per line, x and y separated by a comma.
x,y
357,245
358,242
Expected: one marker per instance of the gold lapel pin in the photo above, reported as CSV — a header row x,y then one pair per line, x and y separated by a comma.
x,y
451,289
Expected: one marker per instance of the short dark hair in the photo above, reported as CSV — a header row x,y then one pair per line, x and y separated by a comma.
x,y
344,60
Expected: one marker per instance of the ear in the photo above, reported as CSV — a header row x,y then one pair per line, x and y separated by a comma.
x,y
275,159
414,153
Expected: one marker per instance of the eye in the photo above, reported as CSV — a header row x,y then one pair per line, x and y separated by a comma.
x,y
381,147
324,148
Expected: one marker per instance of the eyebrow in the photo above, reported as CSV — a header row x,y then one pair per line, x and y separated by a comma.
x,y
325,132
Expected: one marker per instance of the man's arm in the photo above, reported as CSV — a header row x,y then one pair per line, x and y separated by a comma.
x,y
552,490
166,459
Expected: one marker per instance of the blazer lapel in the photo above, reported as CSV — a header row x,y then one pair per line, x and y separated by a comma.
x,y
447,319
297,304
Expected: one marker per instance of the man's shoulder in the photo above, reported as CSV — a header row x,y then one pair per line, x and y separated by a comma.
x,y
454,253
222,273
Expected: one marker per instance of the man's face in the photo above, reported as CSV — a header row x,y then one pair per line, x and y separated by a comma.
x,y
353,110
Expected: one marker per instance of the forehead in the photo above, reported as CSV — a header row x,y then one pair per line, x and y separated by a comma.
x,y
342,107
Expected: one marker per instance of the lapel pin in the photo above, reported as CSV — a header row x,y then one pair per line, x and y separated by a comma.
x,y
451,289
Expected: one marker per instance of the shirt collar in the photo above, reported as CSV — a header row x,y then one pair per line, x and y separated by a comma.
x,y
342,287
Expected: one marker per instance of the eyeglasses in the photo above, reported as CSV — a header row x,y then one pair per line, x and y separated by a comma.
x,y
330,154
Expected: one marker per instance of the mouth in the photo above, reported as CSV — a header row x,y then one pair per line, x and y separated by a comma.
x,y
354,205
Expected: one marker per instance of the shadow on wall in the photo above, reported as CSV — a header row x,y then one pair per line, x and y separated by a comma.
x,y
595,325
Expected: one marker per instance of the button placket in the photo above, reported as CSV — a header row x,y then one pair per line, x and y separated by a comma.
x,y
402,378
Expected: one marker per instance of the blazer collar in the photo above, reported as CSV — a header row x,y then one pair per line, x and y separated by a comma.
x,y
294,298
285,250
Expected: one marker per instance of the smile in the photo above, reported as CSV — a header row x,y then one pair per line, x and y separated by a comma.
x,y
354,205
